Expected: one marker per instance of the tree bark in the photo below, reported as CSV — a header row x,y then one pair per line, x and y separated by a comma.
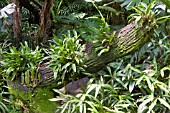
x,y
45,21
17,29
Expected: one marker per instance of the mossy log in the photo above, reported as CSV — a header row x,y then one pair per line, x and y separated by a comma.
x,y
125,41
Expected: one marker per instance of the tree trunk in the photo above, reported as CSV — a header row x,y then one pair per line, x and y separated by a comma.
x,y
45,21
17,22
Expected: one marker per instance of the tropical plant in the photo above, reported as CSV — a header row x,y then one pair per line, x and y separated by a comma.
x,y
66,57
21,62
3,102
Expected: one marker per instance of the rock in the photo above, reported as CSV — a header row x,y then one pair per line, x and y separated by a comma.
x,y
75,87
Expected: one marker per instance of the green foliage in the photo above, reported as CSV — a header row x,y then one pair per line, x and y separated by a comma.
x,y
148,13
93,28
129,4
6,20
138,83
66,56
21,62
78,16
126,87
3,101
4,48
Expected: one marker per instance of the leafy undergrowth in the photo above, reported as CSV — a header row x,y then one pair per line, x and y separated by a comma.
x,y
136,83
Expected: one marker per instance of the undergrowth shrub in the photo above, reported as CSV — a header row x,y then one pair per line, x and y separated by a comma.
x,y
21,63
66,57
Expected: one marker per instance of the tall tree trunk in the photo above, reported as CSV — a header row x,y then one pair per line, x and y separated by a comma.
x,y
45,21
17,29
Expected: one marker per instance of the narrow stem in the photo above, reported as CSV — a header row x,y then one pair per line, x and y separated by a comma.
x,y
98,11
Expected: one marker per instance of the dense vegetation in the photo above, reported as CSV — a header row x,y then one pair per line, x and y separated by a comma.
x,y
49,43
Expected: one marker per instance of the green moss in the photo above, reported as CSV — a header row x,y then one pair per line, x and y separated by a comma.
x,y
40,102
37,100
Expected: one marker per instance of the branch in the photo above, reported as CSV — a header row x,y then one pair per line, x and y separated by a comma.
x,y
37,3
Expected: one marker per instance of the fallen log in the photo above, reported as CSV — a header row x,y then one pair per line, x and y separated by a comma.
x,y
125,41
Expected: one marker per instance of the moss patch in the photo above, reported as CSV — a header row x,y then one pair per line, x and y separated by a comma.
x,y
36,100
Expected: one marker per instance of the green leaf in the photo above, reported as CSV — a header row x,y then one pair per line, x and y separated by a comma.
x,y
3,107
152,105
119,81
149,8
163,88
162,101
58,99
125,3
163,19
92,87
109,9
123,105
92,109
97,90
164,69
9,70
130,5
55,74
151,86
74,67
103,51
139,80
66,65
85,108
78,53
77,60
65,107
137,2
136,70
58,91
131,86
143,105
27,77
